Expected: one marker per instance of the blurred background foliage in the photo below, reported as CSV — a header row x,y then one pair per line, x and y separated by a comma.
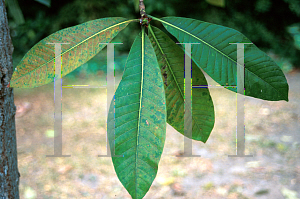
x,y
273,25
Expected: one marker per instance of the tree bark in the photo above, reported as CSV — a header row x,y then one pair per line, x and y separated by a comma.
x,y
9,174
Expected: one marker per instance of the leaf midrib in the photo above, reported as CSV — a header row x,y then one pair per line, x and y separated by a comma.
x,y
195,38
139,120
162,21
51,60
169,66
195,123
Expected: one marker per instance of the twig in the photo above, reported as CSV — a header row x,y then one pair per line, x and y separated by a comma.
x,y
142,8
144,20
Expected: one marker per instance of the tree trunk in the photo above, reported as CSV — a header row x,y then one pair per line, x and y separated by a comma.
x,y
9,175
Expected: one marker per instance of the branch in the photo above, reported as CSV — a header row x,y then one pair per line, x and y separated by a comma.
x,y
142,9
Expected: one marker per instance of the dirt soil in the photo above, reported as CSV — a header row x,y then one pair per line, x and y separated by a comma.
x,y
272,135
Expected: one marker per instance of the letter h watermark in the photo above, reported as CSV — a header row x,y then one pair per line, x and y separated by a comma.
x,y
240,135
58,96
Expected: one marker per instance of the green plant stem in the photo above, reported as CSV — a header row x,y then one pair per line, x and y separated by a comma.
x,y
155,18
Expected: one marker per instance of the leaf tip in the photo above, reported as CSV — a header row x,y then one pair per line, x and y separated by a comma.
x,y
204,140
287,99
286,96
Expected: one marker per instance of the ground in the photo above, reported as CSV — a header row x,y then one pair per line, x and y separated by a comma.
x,y
272,136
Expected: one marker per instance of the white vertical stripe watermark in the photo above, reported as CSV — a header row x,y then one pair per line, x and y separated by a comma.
x,y
240,105
188,120
58,95
58,103
110,88
240,136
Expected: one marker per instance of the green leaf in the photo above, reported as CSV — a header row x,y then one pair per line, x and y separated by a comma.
x,y
37,66
218,58
15,11
219,3
294,30
138,129
136,5
45,2
171,61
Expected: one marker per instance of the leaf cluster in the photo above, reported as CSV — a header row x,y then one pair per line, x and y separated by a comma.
x,y
263,21
152,90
